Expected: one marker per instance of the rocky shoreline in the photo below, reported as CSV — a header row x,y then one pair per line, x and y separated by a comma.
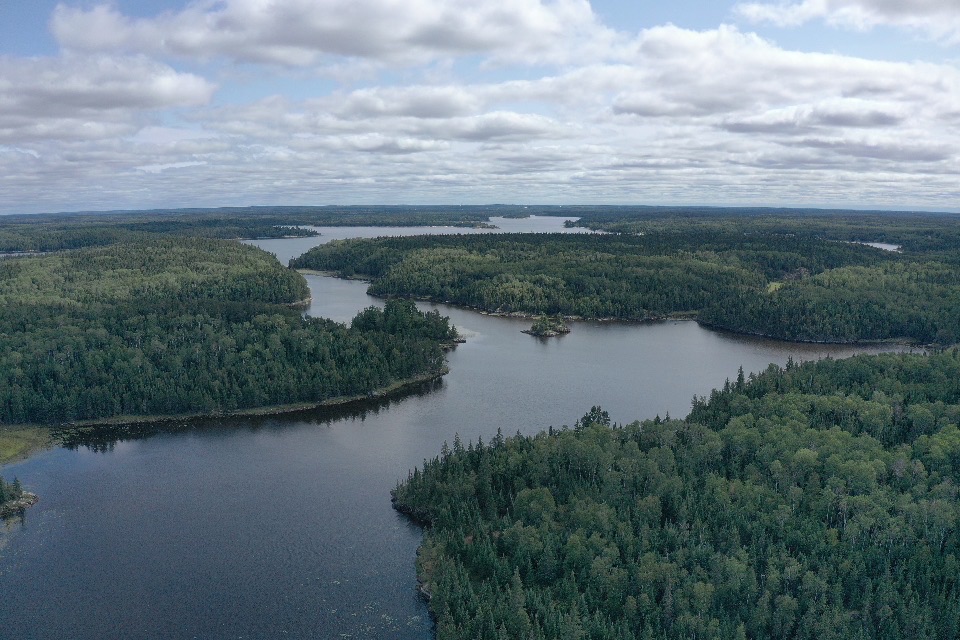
x,y
17,507
548,327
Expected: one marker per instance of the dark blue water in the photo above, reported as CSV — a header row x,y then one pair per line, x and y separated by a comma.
x,y
282,526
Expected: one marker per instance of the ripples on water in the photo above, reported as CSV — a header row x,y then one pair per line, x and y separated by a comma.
x,y
281,526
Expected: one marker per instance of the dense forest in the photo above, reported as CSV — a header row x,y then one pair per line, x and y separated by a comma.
x,y
817,501
790,286
932,234
187,325
58,232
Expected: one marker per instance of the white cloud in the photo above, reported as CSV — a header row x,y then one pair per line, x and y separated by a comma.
x,y
308,32
88,97
677,116
939,19
416,101
159,168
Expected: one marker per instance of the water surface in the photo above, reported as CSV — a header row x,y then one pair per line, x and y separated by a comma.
x,y
282,526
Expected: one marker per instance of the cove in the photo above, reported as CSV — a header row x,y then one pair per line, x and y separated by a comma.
x,y
282,526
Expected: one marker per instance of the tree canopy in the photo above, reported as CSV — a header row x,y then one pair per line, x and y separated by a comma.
x,y
816,501
185,325
788,286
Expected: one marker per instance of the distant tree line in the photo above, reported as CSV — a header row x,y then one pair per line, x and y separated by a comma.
x,y
59,232
817,501
789,286
935,235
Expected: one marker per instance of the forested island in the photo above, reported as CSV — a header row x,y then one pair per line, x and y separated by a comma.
x,y
179,326
726,274
548,327
815,501
13,499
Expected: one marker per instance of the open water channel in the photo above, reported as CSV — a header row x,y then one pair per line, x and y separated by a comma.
x,y
275,527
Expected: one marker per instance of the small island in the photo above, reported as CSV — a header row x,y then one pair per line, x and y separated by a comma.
x,y
13,499
548,326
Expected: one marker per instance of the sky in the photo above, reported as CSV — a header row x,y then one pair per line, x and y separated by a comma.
x,y
164,103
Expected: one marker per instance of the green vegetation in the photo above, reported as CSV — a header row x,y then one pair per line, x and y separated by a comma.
x,y
794,286
13,499
20,443
57,232
548,326
817,501
185,325
64,232
931,234
10,491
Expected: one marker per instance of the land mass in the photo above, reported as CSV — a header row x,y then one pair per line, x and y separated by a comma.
x,y
768,281
180,326
13,499
548,327
817,500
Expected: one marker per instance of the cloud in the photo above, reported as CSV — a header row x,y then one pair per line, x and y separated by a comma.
x,y
716,116
413,101
300,33
159,168
831,114
723,73
88,97
939,19
497,125
891,148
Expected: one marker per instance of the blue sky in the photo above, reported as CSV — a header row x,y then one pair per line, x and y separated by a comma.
x,y
123,104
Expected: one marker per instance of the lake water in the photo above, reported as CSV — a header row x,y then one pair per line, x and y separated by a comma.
x,y
282,526
886,246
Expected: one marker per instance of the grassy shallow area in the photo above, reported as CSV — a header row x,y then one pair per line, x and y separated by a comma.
x,y
17,444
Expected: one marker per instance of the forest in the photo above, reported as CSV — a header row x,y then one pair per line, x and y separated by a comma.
x,y
812,501
930,233
58,232
184,326
793,286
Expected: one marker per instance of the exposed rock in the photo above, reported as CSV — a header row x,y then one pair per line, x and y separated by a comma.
x,y
17,507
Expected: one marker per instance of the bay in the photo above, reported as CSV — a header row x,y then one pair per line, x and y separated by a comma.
x,y
282,526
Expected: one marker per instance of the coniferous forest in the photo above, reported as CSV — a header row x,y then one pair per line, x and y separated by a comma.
x,y
787,286
815,501
185,325
57,232
10,491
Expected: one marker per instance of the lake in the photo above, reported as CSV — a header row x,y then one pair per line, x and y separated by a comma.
x,y
282,526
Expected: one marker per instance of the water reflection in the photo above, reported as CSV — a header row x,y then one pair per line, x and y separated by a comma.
x,y
264,526
104,438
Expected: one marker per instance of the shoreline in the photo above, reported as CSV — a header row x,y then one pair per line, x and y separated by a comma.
x,y
18,506
675,316
19,442
60,429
